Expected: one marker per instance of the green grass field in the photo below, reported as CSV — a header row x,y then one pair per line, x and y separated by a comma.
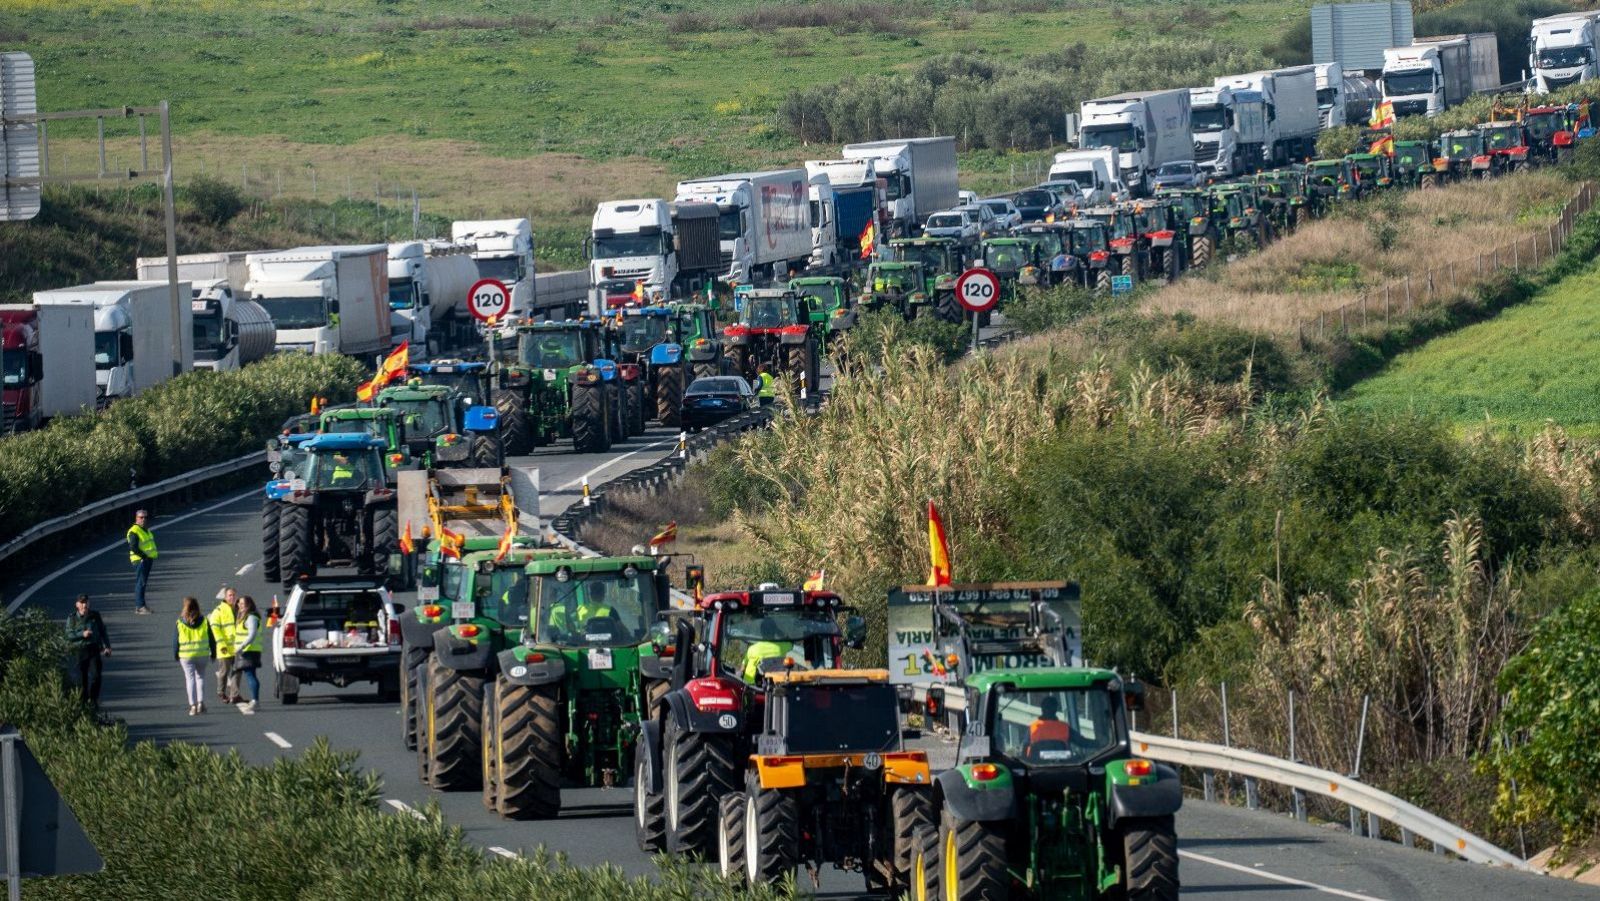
x,y
1531,363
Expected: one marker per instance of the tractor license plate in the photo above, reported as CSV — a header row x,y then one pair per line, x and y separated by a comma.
x,y
461,610
427,592
599,658
341,661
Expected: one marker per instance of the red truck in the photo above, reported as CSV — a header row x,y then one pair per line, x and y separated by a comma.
x,y
46,364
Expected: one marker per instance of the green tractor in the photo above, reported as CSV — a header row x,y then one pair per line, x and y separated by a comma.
x,y
1331,182
1237,213
701,340
943,260
558,385
1375,171
1009,258
833,311
375,422
1192,217
1283,197
1413,164
898,286
1047,799
439,426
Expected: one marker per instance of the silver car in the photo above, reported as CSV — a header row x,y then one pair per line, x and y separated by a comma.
x,y
1006,214
1183,174
960,223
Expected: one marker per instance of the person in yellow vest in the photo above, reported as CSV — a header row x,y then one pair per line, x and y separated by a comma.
x,y
247,641
770,647
588,609
193,645
222,621
142,554
765,380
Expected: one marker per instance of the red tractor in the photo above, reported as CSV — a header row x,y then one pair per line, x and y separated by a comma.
x,y
775,330
693,744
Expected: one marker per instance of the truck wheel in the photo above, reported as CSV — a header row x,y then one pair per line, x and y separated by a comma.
x,y
1102,281
383,539
486,451
412,660
925,865
699,768
294,544
972,860
1201,253
649,808
589,434
449,736
911,813
669,396
527,745
269,540
512,413
730,836
1150,848
771,836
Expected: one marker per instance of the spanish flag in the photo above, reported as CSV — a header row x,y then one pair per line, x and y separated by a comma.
x,y
1382,115
638,294
815,582
938,549
504,547
393,365
1383,145
451,543
666,535
406,544
869,238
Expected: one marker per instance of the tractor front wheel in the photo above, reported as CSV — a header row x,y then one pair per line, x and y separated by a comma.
x,y
911,812
972,860
925,865
1150,850
649,808
1201,251
730,836
669,396
269,540
526,748
513,418
295,547
771,836
947,307
699,768
449,737
795,364
589,433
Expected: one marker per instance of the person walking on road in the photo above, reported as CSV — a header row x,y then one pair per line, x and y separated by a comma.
x,y
86,638
247,635
192,646
142,554
222,620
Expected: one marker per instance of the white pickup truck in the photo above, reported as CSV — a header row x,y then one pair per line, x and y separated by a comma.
x,y
337,630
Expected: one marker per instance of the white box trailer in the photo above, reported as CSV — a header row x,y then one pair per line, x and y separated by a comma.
x,y
1148,129
332,299
1292,118
66,346
202,267
769,212
133,332
919,176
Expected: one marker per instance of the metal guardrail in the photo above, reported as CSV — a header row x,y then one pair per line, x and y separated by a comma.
x,y
115,502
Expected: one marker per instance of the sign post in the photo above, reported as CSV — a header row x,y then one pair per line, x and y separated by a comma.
x,y
978,291
488,299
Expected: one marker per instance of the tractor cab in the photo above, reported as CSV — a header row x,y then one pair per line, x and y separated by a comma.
x,y
900,285
1010,258
765,310
639,329
1331,180
1461,153
750,632
557,345
938,256
439,426
344,463
828,298
471,378
1507,145
1373,170
1412,160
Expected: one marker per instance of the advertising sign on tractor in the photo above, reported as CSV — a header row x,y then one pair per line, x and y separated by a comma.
x,y
913,648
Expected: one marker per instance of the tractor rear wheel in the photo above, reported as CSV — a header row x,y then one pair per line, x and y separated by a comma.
x,y
589,434
513,417
489,779
972,860
636,412
295,556
771,835
795,365
1150,850
699,768
616,416
925,865
269,540
412,660
1102,281
947,307
382,540
526,745
1130,266
649,808
1201,251
911,812
730,836
669,396
449,737
706,370
485,451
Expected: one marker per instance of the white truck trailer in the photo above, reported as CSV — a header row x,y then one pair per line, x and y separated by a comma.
x,y
918,174
65,344
133,331
325,299
428,285
1147,129
1292,120
1563,50
1434,74
765,221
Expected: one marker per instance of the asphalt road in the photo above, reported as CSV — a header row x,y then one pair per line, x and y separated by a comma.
x,y
1226,852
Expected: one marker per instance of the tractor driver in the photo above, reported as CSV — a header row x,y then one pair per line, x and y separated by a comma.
x,y
345,473
1048,727
770,647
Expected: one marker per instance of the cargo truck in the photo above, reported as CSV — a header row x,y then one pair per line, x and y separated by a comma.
x,y
503,250
1095,172
228,332
1292,120
1563,50
47,363
133,332
827,256
856,193
1225,119
1146,128
325,299
1330,94
1434,74
651,247
764,221
195,268
918,174
428,285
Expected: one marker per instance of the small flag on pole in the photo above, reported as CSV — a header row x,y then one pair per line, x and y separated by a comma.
x,y
504,547
393,365
815,582
938,549
451,543
665,536
868,239
406,544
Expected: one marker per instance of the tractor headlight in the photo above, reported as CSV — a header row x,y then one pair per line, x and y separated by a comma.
x,y
564,574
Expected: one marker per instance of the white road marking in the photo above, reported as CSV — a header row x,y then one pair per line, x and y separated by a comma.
x,y
503,852
278,740
115,545
1274,877
403,807
245,568
612,462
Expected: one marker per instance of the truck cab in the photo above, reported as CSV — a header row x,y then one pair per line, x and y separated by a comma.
x,y
630,242
21,372
1561,51
503,250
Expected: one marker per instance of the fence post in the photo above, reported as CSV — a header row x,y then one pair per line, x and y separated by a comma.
x,y
1408,294
1227,735
1363,310
1516,256
1174,713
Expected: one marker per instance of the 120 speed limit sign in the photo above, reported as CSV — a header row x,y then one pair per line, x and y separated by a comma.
x,y
978,290
489,299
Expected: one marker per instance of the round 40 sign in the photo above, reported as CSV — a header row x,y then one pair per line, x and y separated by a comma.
x,y
978,290
489,299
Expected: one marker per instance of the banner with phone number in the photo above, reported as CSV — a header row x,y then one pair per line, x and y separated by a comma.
x,y
912,649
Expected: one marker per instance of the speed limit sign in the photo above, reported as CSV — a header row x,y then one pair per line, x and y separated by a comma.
x,y
978,290
489,299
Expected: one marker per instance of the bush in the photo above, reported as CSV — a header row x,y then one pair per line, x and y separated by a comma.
x,y
881,334
1219,353
1036,310
214,201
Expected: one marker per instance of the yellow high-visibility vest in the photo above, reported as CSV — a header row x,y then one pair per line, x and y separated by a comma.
x,y
193,641
222,621
147,543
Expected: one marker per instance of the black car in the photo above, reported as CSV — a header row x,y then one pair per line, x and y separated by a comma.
x,y
1037,204
712,399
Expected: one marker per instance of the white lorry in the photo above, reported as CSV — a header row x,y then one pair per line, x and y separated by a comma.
x,y
918,174
764,221
133,332
827,256
503,250
1096,173
1146,128
1330,94
1563,50
672,249
1434,74
428,285
325,299
1292,120
1224,120
230,330
857,193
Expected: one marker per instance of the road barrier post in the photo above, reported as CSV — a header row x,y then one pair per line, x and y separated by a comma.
x,y
586,499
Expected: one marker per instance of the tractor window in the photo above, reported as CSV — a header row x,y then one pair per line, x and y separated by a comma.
x,y
1053,727
596,609
823,297
347,426
931,256
423,417
830,718
753,635
689,327
549,349
766,312
345,470
640,332
1006,257
503,597
450,579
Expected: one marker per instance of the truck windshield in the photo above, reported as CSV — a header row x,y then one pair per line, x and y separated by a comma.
x,y
14,367
729,226
549,350
611,247
105,350
828,718
208,335
296,312
505,269
1407,83
1208,119
1326,97
1563,57
1078,177
402,293
1121,137
1053,727
596,609
897,184
643,332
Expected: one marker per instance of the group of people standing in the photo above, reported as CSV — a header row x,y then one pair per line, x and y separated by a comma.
x,y
232,635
